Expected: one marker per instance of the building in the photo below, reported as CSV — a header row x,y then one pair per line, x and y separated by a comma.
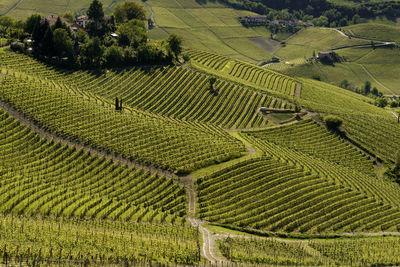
x,y
256,19
325,54
52,20
82,21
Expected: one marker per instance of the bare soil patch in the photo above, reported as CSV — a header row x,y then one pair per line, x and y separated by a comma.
x,y
266,44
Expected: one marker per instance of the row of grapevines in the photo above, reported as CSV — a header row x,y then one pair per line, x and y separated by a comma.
x,y
170,91
309,137
35,240
380,189
373,251
42,177
140,136
243,72
269,194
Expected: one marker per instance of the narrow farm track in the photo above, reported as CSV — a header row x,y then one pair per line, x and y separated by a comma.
x,y
208,249
97,152
12,8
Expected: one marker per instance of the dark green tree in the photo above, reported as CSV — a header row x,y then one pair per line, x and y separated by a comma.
x,y
128,11
367,87
31,22
63,44
95,11
174,45
333,122
48,42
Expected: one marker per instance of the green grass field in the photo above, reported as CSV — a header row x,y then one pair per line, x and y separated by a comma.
x,y
22,9
360,64
211,27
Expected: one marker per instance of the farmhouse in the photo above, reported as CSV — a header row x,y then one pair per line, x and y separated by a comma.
x,y
82,21
325,54
256,19
52,20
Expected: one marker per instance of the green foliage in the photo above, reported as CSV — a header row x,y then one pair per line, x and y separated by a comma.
x,y
31,22
146,138
247,74
114,56
66,182
63,44
381,102
267,251
37,241
176,92
174,45
333,122
128,11
95,11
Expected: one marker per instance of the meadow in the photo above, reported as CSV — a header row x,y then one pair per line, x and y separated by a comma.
x,y
210,27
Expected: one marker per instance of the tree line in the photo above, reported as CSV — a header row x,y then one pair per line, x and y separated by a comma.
x,y
112,41
320,12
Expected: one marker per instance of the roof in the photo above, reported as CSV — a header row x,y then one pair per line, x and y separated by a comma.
x,y
326,52
52,19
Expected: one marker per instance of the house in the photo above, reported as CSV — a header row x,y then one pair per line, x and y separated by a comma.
x,y
325,54
82,21
256,19
52,20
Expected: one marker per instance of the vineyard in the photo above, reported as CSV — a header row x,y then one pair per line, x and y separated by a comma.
x,y
41,241
82,182
244,73
382,251
140,136
269,194
169,91
48,178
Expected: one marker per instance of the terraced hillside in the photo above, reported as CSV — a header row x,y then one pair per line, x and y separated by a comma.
x,y
374,128
309,181
188,92
245,73
143,137
49,178
342,252
52,241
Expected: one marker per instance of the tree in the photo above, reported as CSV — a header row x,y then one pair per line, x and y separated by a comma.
x,y
31,22
48,42
375,91
367,87
128,11
174,45
5,23
381,102
91,53
95,11
63,44
333,122
114,56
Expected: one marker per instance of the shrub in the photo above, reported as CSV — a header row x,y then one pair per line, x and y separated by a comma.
x,y
333,122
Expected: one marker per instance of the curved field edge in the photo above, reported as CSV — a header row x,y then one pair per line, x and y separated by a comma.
x,y
150,139
54,179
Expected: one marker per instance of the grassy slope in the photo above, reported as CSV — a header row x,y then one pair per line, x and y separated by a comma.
x,y
50,7
210,27
378,66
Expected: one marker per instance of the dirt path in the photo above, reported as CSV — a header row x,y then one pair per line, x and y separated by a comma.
x,y
297,92
12,8
93,151
373,78
208,249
